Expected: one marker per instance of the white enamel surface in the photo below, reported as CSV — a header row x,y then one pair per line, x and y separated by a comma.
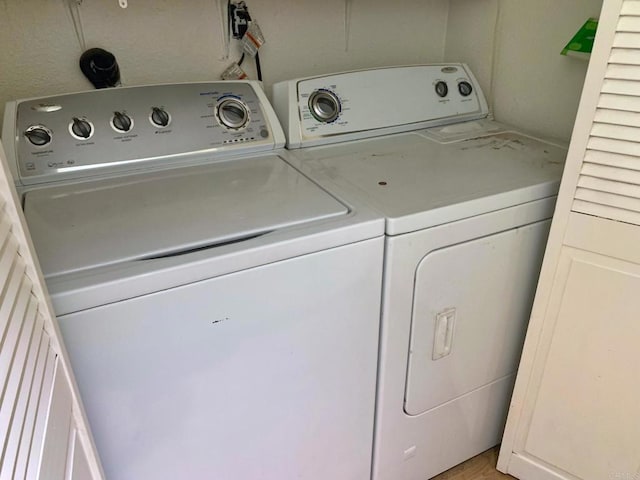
x,y
427,183
367,102
464,420
377,101
266,373
490,282
84,226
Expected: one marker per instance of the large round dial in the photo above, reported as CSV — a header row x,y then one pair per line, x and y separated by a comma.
x,y
465,89
121,122
81,128
232,113
159,117
38,135
324,105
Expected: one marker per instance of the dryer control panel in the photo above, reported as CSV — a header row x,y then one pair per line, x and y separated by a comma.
x,y
367,103
114,130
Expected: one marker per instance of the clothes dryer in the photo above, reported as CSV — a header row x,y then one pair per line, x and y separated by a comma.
x,y
468,203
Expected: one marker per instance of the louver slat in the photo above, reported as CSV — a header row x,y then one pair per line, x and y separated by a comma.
x,y
630,8
609,199
621,87
629,23
614,146
616,132
617,117
612,159
609,186
625,56
622,72
606,211
615,174
626,40
619,102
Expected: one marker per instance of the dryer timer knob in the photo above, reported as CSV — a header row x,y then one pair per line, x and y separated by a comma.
x,y
324,105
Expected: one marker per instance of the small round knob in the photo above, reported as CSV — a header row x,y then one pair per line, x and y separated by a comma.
x,y
121,122
232,113
324,105
442,89
465,89
81,128
38,135
160,117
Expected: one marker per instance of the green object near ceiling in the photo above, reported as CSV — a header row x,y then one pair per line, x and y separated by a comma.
x,y
581,44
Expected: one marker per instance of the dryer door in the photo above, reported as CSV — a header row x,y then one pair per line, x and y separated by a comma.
x,y
471,307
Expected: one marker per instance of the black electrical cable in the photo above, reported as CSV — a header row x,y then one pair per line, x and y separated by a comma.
x,y
258,69
257,58
228,23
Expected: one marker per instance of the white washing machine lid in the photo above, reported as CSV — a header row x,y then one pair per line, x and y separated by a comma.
x,y
94,224
421,179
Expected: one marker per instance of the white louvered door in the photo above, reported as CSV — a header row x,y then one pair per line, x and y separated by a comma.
x,y
43,431
575,411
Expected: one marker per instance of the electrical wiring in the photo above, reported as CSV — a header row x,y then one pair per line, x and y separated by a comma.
x,y
238,19
497,27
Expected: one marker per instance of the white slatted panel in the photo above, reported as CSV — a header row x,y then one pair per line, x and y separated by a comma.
x,y
609,183
26,365
43,431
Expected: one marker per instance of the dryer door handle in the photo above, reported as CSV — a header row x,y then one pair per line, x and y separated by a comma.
x,y
443,335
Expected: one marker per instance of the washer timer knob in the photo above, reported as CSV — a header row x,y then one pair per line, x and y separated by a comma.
x,y
121,122
324,105
442,89
38,135
160,117
232,113
465,88
81,128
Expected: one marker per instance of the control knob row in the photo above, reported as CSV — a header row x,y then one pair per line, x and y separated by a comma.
x,y
231,112
83,129
464,87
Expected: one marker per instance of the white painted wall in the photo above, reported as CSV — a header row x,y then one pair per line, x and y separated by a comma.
x,y
534,86
159,41
168,41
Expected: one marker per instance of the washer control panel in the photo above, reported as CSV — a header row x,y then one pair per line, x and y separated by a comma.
x,y
365,103
87,133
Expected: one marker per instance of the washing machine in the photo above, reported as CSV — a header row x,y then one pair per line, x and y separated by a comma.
x,y
468,203
204,287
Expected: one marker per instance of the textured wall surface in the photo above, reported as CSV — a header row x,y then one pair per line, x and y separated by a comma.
x,y
159,41
534,86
